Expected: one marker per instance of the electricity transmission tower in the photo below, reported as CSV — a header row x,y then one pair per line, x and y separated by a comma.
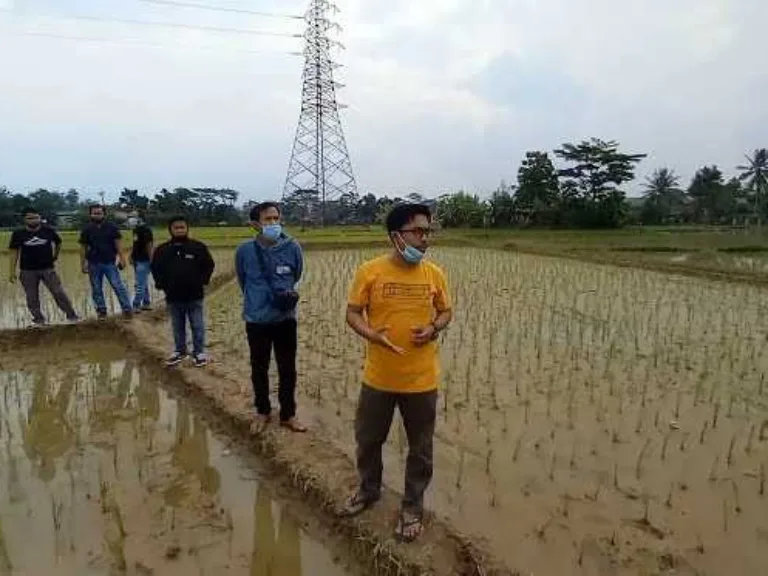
x,y
320,166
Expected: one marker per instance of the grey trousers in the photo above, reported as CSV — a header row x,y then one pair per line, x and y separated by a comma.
x,y
375,410
30,281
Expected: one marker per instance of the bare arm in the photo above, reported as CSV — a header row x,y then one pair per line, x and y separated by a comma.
x,y
357,321
424,334
442,320
13,261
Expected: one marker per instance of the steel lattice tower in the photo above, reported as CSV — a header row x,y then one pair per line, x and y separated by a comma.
x,y
319,159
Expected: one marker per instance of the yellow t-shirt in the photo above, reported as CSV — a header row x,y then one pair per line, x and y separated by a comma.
x,y
401,297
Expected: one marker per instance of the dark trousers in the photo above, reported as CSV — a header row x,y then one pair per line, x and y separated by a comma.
x,y
375,410
262,339
180,312
30,281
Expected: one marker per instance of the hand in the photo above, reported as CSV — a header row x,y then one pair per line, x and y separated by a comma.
x,y
421,335
12,278
85,268
382,340
121,264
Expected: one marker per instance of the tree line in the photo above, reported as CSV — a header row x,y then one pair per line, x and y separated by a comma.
x,y
206,206
588,192
587,189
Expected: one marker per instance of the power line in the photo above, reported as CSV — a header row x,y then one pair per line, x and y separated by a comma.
x,y
134,42
221,9
184,26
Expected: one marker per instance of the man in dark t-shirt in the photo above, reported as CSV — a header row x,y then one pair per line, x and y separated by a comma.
x,y
101,256
34,249
141,258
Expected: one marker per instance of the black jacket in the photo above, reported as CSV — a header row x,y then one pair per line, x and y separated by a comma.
x,y
181,268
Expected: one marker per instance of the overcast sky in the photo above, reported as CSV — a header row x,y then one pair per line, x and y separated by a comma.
x,y
443,94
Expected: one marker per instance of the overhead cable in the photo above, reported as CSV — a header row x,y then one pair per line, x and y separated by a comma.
x,y
214,8
244,31
135,42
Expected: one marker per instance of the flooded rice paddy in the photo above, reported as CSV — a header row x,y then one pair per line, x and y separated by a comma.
x,y
14,314
103,471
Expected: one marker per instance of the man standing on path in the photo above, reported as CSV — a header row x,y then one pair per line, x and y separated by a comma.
x,y
101,256
35,249
141,258
399,303
269,269
182,267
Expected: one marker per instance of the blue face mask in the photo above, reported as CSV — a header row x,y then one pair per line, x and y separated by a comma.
x,y
272,231
410,254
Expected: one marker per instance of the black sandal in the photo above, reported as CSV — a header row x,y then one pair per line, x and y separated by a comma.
x,y
355,505
405,523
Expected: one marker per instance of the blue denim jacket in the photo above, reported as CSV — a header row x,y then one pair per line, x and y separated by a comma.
x,y
287,263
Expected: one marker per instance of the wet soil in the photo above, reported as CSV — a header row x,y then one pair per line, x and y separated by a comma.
x,y
594,420
104,471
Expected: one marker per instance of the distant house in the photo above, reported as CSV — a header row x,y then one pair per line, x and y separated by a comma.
x,y
68,219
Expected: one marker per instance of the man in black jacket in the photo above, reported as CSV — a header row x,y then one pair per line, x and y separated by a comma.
x,y
181,268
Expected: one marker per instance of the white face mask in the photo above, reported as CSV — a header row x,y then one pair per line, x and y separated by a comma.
x,y
410,254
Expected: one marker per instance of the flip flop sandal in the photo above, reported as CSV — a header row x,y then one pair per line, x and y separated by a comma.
x,y
405,523
355,505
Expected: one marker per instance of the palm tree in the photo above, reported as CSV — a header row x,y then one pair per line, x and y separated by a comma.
x,y
663,196
755,173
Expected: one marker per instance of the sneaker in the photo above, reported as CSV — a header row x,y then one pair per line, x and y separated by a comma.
x,y
176,358
101,315
73,319
201,360
147,308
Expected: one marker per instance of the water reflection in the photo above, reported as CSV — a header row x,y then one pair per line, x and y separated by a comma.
x,y
101,471
270,557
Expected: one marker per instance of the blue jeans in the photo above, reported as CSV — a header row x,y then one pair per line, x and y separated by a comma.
x,y
97,272
179,312
141,295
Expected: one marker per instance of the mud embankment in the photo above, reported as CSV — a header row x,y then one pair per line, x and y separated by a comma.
x,y
317,470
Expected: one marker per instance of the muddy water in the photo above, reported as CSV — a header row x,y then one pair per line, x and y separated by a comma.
x,y
102,472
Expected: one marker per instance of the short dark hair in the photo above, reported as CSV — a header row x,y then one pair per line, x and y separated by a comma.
x,y
262,207
402,214
93,207
179,218
30,210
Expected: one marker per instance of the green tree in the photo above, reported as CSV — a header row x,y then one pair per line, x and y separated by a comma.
x,y
664,199
590,186
461,210
501,207
131,199
710,199
538,190
755,174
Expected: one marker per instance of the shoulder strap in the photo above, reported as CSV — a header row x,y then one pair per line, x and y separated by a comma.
x,y
262,262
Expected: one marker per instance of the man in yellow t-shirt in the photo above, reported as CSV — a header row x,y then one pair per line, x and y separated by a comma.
x,y
399,303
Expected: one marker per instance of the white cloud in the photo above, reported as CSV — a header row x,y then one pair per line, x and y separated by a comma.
x,y
442,93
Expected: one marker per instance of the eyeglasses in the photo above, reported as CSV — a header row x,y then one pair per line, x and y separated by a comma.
x,y
418,232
